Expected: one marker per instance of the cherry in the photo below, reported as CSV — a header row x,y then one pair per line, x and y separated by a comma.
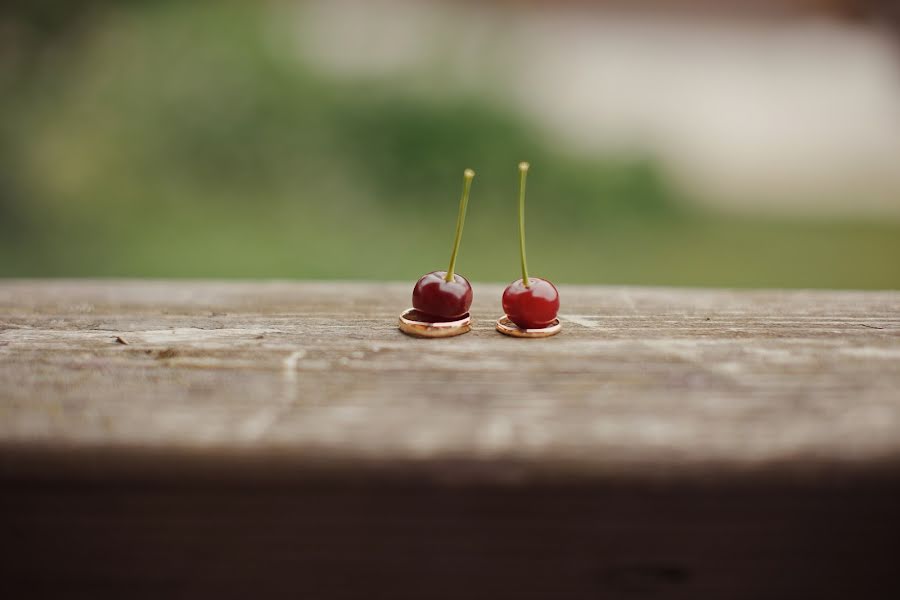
x,y
532,307
437,297
445,294
529,303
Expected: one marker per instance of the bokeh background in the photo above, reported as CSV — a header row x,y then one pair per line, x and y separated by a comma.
x,y
743,143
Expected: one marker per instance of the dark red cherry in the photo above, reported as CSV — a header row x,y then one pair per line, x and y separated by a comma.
x,y
437,295
448,300
531,307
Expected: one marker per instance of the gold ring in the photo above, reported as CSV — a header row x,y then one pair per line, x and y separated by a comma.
x,y
417,324
507,327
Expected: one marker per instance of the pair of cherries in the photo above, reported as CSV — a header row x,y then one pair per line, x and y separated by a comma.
x,y
529,302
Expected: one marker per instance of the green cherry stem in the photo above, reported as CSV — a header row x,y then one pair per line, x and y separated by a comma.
x,y
468,176
523,173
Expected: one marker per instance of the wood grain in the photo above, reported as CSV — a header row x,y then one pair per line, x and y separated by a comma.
x,y
189,439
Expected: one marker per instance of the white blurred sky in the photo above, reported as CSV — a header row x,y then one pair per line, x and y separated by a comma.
x,y
794,117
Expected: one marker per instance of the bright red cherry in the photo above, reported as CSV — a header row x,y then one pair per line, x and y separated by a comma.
x,y
444,294
530,303
532,307
435,296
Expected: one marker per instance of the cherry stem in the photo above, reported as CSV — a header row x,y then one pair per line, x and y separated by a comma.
x,y
468,175
523,173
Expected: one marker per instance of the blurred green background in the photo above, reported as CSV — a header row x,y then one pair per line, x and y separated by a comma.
x,y
175,139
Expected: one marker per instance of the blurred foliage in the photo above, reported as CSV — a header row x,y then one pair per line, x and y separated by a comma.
x,y
189,139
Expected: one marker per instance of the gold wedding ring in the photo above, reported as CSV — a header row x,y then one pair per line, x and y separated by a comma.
x,y
507,327
417,324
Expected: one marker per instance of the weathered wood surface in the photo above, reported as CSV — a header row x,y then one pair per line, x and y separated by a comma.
x,y
287,437
639,380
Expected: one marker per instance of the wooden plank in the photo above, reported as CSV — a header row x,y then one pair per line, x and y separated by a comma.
x,y
644,379
282,436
